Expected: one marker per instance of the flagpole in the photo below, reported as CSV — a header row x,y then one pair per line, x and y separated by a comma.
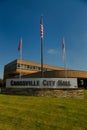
x,y
64,56
20,52
42,72
42,43
20,59
65,66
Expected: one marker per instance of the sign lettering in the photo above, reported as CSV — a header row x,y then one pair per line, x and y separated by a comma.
x,y
42,83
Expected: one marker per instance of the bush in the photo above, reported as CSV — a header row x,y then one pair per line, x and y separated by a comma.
x,y
1,82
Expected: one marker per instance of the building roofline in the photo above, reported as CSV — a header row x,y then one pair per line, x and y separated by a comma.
x,y
62,69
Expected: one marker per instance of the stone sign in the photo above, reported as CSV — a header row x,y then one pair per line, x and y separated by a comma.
x,y
42,83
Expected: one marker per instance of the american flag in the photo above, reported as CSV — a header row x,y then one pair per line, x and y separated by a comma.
x,y
20,45
41,28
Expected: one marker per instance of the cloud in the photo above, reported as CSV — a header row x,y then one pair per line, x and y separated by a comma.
x,y
52,51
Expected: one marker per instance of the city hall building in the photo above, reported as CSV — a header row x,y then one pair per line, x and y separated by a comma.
x,y
30,69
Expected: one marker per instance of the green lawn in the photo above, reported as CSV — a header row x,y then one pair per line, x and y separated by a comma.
x,y
42,113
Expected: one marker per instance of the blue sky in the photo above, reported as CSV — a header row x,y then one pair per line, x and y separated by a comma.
x,y
61,18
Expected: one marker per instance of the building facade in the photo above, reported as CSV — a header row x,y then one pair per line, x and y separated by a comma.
x,y
14,68
30,69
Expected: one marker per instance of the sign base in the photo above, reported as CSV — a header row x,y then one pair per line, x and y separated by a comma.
x,y
47,92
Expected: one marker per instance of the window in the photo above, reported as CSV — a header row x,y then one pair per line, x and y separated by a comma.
x,y
12,67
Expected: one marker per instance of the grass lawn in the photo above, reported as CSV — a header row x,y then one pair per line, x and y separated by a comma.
x,y
42,113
